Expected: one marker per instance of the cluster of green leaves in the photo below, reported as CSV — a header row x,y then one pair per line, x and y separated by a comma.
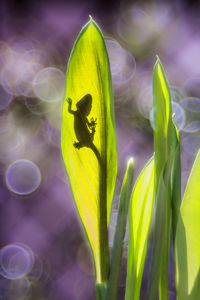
x,y
155,200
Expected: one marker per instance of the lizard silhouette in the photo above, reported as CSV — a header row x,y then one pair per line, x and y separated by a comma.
x,y
84,129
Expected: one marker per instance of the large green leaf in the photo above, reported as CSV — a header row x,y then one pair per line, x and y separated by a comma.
x,y
139,223
88,139
187,242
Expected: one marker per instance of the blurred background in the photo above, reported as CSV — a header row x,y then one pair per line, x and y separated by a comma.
x,y
43,254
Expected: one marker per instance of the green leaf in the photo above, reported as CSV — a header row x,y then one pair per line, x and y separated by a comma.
x,y
100,291
187,243
166,139
167,193
162,116
88,139
139,223
175,180
116,254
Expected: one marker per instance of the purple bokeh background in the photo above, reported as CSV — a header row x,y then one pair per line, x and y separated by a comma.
x,y
43,254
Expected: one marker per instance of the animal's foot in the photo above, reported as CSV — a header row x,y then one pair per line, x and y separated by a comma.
x,y
93,122
77,145
93,132
69,100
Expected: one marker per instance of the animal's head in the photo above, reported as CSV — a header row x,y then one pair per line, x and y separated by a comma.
x,y
85,105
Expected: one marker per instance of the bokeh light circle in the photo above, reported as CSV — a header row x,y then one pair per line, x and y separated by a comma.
x,y
191,104
192,127
52,134
131,25
176,94
145,102
122,63
49,84
37,106
16,261
12,139
36,271
23,177
5,285
190,143
20,289
178,115
5,98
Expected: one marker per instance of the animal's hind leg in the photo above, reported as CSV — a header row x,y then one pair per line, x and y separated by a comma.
x,y
92,133
78,145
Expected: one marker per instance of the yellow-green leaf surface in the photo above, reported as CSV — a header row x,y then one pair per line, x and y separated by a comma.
x,y
162,116
165,144
88,145
187,243
139,223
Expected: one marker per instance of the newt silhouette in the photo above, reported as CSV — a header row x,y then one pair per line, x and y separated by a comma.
x,y
84,129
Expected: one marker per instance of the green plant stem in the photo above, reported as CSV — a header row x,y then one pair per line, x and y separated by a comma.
x,y
116,255
158,242
163,284
103,227
100,291
176,190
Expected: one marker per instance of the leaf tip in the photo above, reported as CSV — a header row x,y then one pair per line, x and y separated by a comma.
x,y
157,57
158,61
130,165
131,161
158,65
92,23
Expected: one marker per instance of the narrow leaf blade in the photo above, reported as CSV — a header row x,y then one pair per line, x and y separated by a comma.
x,y
175,179
117,249
139,223
165,143
162,116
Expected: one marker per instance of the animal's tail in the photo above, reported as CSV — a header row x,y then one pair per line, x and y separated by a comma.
x,y
96,152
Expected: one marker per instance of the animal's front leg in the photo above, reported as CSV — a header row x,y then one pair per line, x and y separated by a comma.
x,y
69,100
92,122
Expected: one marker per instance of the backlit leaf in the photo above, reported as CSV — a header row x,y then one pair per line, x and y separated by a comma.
x,y
162,116
139,223
187,242
88,139
167,187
